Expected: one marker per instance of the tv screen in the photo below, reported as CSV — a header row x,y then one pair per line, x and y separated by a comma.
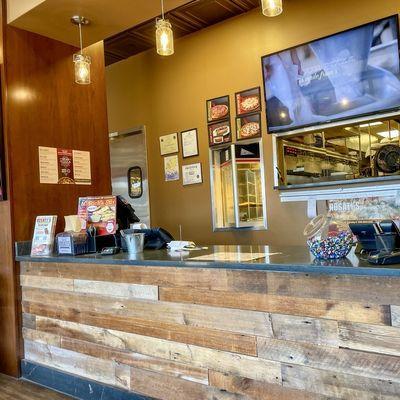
x,y
340,77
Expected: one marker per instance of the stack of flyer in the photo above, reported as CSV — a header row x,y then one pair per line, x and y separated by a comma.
x,y
43,236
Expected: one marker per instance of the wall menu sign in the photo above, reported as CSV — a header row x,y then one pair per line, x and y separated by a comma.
x,y
64,166
365,209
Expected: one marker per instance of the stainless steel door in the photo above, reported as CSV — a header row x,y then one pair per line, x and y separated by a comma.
x,y
127,150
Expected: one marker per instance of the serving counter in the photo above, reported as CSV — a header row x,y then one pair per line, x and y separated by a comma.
x,y
169,327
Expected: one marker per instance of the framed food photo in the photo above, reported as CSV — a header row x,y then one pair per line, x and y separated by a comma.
x,y
218,109
219,133
248,101
248,127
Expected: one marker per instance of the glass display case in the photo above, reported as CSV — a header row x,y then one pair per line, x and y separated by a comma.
x,y
238,191
339,154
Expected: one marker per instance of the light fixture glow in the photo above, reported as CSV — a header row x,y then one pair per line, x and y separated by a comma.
x,y
164,35
81,61
394,133
344,102
271,8
371,124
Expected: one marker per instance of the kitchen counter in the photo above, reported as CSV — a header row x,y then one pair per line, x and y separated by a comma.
x,y
282,326
282,258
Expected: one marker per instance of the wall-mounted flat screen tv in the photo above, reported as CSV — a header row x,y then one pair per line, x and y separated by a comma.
x,y
340,77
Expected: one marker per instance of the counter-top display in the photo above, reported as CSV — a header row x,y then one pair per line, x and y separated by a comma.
x,y
271,258
154,326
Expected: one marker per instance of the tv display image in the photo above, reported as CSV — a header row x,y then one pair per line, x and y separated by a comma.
x,y
346,75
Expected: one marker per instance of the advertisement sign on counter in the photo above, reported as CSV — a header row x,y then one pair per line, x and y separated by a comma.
x,y
99,212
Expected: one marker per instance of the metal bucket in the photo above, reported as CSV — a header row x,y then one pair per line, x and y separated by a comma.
x,y
134,242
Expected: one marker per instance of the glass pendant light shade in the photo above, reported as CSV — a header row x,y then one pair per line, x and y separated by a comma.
x,y
271,8
82,69
164,37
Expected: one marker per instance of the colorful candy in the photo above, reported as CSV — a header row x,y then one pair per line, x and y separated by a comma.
x,y
337,245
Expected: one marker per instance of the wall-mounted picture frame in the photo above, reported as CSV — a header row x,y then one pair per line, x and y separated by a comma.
x,y
171,168
248,127
190,145
218,109
248,101
219,133
169,144
192,174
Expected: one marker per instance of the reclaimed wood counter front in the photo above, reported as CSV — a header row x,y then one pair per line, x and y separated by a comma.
x,y
202,333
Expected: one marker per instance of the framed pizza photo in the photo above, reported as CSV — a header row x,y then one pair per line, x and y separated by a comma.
x,y
248,101
219,133
248,127
218,109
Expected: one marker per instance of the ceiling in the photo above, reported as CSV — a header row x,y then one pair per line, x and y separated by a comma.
x,y
186,19
51,17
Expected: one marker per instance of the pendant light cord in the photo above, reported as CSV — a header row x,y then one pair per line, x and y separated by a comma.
x,y
80,37
162,9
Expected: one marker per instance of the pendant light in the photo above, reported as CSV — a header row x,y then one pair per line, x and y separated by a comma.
x,y
271,8
81,61
164,35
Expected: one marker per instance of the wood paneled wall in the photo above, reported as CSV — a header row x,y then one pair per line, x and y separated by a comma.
x,y
191,333
42,106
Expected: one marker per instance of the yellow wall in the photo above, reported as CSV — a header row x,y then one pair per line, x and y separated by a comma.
x,y
169,94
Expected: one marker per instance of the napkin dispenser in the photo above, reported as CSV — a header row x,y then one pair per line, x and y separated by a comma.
x,y
71,243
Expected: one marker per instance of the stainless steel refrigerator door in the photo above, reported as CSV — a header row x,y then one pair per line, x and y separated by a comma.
x,y
128,149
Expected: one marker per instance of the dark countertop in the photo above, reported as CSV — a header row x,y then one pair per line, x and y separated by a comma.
x,y
289,259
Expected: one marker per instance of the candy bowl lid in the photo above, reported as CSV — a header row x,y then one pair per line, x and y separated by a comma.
x,y
315,226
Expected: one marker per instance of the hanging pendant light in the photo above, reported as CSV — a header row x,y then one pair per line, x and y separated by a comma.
x,y
271,8
164,35
81,61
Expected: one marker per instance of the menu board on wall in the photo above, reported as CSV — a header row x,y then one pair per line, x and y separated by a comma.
x,y
64,166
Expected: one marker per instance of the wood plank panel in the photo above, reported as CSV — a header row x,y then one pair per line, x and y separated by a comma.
x,y
142,361
170,388
71,362
303,329
319,308
258,390
242,365
372,338
376,290
44,282
215,339
240,321
343,386
326,358
41,337
395,310
123,290
29,321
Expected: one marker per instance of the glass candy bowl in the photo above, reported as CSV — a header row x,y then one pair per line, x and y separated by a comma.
x,y
328,239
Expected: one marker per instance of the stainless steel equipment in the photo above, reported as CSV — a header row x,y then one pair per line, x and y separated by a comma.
x,y
128,155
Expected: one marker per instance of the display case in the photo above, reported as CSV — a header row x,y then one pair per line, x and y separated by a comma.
x,y
345,154
238,191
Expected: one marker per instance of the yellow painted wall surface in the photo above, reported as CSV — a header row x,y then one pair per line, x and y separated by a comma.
x,y
169,94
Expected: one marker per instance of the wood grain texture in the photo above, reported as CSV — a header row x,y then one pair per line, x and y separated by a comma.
x,y
232,320
375,290
142,361
232,337
13,389
169,388
319,308
371,338
326,358
242,365
214,339
258,390
342,386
